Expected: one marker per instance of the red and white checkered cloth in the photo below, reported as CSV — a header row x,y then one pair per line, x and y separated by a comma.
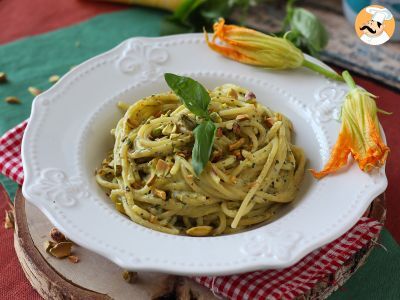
x,y
287,283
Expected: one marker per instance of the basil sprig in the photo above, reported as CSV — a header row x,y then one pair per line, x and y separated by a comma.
x,y
196,98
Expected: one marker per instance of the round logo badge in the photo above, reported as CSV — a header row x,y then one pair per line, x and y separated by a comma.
x,y
374,25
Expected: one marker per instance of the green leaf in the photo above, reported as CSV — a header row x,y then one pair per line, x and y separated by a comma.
x,y
169,26
192,94
310,28
204,140
186,8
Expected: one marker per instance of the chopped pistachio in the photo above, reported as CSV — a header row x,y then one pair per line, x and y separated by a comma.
x,y
162,168
12,100
3,77
199,231
9,220
237,144
54,78
57,236
243,117
48,245
60,250
130,277
34,91
249,96
219,132
236,128
160,194
74,259
232,93
151,180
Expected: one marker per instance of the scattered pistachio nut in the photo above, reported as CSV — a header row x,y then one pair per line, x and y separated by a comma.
x,y
34,91
249,96
199,231
237,144
130,277
9,220
232,93
54,78
243,117
61,250
12,100
236,128
73,258
229,125
57,236
151,180
269,122
238,154
48,245
219,132
162,168
3,77
160,194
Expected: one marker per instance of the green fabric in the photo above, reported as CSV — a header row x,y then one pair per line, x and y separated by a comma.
x,y
30,62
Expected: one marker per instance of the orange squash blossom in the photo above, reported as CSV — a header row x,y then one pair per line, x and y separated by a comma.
x,y
359,134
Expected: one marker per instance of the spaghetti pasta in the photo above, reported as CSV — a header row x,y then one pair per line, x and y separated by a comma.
x,y
253,170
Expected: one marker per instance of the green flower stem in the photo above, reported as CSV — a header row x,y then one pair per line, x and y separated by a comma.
x,y
348,79
321,70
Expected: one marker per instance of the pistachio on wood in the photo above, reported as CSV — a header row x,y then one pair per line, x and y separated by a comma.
x,y
237,144
9,220
12,100
73,258
48,245
199,231
57,236
61,250
130,277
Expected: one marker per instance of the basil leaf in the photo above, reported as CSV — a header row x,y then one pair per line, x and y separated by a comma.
x,y
170,26
204,140
310,28
186,8
192,94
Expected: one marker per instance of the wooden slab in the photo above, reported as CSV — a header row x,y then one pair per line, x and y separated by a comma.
x,y
94,277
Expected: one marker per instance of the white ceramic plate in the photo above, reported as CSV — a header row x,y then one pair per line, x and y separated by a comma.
x,y
68,136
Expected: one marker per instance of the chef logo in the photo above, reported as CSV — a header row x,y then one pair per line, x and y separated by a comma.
x,y
374,25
